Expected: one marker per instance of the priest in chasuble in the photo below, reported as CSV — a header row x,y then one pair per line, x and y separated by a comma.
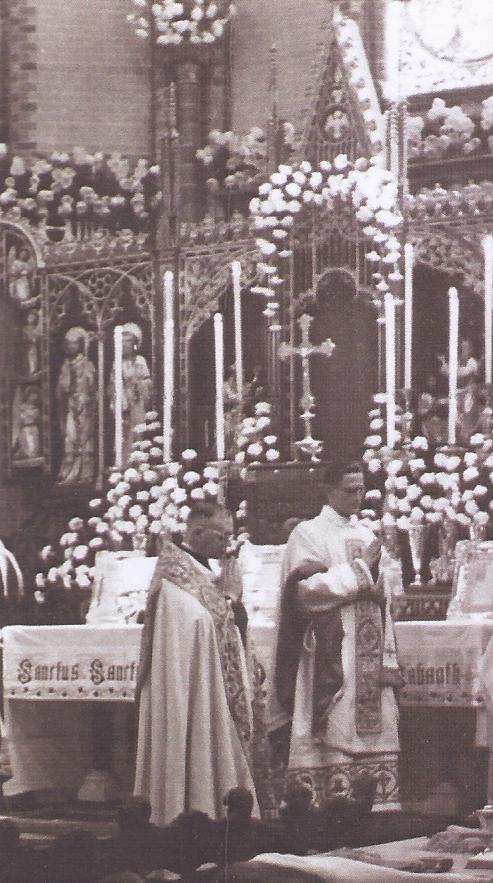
x,y
335,667
201,721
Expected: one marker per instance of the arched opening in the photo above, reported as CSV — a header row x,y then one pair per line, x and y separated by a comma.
x,y
344,383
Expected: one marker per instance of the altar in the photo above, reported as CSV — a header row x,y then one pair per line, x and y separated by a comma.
x,y
54,675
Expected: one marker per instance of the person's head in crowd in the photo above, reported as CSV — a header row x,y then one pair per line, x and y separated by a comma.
x,y
209,529
345,486
297,799
239,804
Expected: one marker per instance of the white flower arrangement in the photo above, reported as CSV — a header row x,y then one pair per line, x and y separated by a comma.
x,y
172,23
370,189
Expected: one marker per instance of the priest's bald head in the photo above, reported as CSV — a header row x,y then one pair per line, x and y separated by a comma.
x,y
345,486
209,528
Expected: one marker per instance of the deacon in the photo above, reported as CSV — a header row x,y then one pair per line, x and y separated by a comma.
x,y
335,665
200,717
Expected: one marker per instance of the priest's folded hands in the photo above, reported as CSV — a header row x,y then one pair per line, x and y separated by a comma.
x,y
322,589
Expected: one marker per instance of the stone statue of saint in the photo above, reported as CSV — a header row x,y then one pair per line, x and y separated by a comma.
x,y
20,267
469,406
31,337
76,397
137,385
26,420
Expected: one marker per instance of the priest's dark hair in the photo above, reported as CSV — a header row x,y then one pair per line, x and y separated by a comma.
x,y
205,509
335,470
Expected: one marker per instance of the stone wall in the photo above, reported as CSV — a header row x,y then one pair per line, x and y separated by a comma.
x,y
78,76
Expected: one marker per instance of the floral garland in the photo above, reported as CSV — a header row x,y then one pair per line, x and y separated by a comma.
x,y
450,131
293,191
194,21
415,484
237,163
254,439
79,187
142,500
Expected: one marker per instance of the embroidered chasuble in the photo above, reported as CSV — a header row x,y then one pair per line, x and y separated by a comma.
x,y
201,706
335,668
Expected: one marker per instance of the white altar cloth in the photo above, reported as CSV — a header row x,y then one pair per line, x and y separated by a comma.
x,y
46,714
71,662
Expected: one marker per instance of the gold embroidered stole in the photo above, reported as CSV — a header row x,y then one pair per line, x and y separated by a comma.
x,y
368,651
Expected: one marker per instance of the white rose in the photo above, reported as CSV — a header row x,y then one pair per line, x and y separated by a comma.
x,y
155,509
83,581
76,524
197,493
263,423
272,454
416,464
427,479
427,502
413,492
211,472
400,482
254,450
373,441
95,543
420,443
184,512
374,466
211,488
95,504
404,507
131,475
480,490
80,552
470,458
135,511
46,553
417,516
53,575
39,580
173,468
191,477
179,495
240,457
471,507
470,474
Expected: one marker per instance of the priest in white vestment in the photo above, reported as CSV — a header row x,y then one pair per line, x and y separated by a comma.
x,y
199,717
335,668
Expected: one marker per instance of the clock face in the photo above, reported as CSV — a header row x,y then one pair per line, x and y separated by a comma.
x,y
455,30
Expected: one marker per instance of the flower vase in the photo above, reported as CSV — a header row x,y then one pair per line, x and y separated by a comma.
x,y
477,531
417,535
140,542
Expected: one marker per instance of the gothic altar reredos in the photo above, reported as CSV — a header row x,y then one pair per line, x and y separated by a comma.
x,y
67,283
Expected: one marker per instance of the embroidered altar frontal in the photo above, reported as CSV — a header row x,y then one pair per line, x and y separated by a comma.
x,y
71,662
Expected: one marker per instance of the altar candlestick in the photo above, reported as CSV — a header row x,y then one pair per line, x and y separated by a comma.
x,y
408,314
236,271
168,365
488,306
390,366
453,363
393,51
118,372
219,362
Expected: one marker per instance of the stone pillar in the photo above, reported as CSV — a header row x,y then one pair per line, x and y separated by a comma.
x,y
217,116
189,108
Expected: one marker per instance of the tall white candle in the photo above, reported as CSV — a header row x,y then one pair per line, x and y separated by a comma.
x,y
453,363
219,362
392,50
168,365
488,306
118,374
390,366
408,314
236,271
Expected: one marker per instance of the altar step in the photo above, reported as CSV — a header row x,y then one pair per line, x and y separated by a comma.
x,y
43,825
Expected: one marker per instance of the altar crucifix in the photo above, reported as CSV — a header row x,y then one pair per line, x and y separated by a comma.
x,y
307,445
